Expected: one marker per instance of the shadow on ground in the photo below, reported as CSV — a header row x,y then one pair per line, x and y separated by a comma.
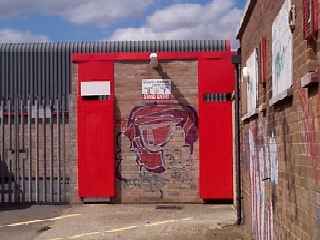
x,y
11,206
228,233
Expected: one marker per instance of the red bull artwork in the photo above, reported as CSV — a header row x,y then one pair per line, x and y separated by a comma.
x,y
150,127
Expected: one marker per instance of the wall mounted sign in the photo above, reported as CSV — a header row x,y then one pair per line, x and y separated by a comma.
x,y
156,89
95,88
281,51
252,84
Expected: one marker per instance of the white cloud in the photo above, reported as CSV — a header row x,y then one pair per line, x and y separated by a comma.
x,y
217,19
100,12
11,35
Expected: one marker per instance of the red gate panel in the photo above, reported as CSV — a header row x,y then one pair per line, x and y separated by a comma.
x,y
216,84
96,164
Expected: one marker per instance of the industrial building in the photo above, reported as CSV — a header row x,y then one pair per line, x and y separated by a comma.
x,y
280,166
126,122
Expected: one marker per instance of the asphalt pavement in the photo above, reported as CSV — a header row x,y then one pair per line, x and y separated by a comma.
x,y
114,221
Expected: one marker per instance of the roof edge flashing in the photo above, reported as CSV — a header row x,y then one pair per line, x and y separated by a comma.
x,y
245,18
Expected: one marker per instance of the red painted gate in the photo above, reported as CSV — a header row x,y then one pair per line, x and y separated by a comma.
x,y
216,84
96,123
96,130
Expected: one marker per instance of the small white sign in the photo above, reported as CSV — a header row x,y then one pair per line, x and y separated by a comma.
x,y
156,86
252,83
41,112
95,88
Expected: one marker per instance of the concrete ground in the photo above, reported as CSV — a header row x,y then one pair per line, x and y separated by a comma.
x,y
104,221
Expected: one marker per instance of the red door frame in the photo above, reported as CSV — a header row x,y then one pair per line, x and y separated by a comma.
x,y
216,174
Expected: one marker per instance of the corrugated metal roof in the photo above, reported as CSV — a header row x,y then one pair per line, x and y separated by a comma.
x,y
126,46
43,69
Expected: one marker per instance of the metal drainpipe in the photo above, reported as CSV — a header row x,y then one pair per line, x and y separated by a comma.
x,y
236,60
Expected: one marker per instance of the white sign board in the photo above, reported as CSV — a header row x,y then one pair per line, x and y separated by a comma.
x,y
40,112
156,88
252,84
282,51
95,88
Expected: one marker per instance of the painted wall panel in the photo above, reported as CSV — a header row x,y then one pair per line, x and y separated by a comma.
x,y
282,51
252,84
215,120
96,135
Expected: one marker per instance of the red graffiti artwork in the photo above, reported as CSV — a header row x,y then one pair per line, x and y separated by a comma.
x,y
309,122
150,127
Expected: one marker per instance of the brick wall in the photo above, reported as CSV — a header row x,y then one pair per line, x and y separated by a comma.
x,y
280,150
175,178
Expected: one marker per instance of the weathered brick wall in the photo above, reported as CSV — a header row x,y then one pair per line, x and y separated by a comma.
x,y
280,151
176,179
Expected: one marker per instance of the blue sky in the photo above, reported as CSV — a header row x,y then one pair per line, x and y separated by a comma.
x,y
32,20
